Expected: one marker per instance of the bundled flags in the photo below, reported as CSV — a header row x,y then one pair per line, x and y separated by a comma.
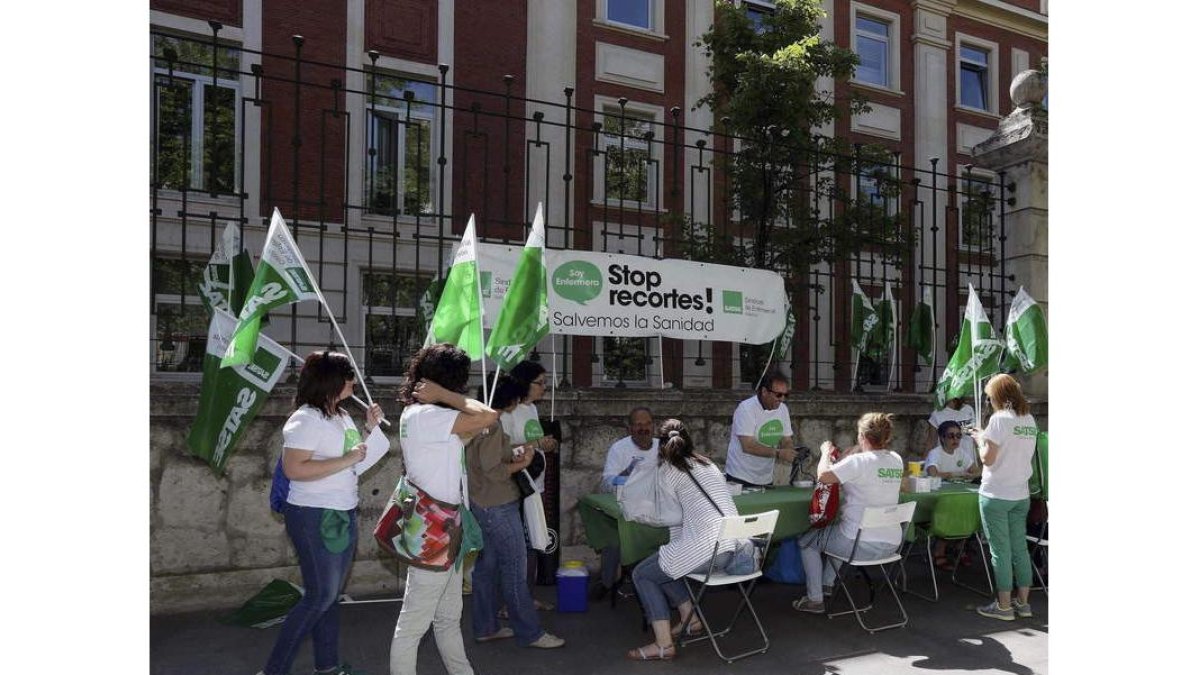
x,y
1025,336
921,327
862,317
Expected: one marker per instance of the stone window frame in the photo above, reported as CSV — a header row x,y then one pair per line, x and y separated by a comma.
x,y
993,72
429,115
654,15
893,44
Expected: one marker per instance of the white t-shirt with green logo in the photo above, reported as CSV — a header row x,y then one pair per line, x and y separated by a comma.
x,y
1008,476
868,478
950,462
432,453
767,427
522,424
326,438
964,416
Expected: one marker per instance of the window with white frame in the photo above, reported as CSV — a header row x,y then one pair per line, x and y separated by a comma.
x,y
180,318
400,134
635,13
196,117
978,208
628,172
391,328
974,85
758,11
872,40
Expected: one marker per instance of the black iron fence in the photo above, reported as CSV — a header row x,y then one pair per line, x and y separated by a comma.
x,y
377,172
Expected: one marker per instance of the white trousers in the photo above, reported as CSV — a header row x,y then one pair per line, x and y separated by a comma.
x,y
430,598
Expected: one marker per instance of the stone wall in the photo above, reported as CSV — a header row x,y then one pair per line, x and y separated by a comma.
x,y
215,542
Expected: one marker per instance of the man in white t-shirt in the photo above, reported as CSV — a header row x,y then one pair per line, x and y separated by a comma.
x,y
625,454
761,434
956,410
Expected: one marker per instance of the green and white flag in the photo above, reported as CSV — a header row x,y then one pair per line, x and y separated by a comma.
x,y
459,315
225,278
883,336
976,357
788,334
862,317
524,316
920,327
281,279
1025,334
231,397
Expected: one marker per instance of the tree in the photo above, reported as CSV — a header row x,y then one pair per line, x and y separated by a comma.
x,y
764,75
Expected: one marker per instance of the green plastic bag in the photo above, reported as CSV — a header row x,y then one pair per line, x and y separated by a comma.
x,y
267,608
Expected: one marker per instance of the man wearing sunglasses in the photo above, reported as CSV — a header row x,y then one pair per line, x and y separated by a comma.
x,y
761,434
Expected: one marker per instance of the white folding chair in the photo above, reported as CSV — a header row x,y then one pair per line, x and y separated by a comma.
x,y
757,527
873,517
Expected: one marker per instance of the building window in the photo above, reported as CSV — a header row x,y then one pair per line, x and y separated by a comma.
x,y
196,117
978,209
630,171
392,329
973,84
400,161
626,360
877,188
636,13
758,13
180,318
872,39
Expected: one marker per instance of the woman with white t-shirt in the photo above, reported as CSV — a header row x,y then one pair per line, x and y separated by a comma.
x,y
323,455
950,459
1006,449
870,475
436,420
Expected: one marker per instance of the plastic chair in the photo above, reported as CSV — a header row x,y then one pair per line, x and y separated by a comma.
x,y
955,518
873,517
757,527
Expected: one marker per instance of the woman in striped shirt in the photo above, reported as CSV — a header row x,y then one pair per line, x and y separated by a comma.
x,y
700,487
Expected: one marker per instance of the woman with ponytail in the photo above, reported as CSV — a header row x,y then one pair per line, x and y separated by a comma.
x,y
701,490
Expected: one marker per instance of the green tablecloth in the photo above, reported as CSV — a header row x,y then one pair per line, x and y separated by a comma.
x,y
603,525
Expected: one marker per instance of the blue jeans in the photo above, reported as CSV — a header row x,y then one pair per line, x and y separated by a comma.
x,y
656,589
815,542
499,575
324,573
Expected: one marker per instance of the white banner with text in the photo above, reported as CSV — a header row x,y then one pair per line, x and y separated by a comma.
x,y
611,294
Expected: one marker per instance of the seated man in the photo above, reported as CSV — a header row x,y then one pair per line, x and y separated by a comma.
x,y
761,435
953,458
640,445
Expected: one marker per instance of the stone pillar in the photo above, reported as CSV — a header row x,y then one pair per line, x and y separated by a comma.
x,y
1019,149
931,105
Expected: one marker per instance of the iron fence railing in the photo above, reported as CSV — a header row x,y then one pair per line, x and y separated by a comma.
x,y
377,171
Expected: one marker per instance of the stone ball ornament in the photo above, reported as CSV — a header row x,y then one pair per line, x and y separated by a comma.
x,y
1028,89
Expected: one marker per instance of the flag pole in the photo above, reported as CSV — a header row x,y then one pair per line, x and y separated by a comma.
x,y
662,378
482,356
553,375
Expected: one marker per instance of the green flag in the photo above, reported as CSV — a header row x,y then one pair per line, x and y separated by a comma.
x,y
281,279
862,317
977,355
788,334
524,316
459,315
881,338
225,278
231,397
920,327
1025,335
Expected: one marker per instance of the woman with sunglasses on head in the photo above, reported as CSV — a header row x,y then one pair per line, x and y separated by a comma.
x,y
1006,449
323,455
437,420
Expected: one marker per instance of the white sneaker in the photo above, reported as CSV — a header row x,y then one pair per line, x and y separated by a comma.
x,y
548,641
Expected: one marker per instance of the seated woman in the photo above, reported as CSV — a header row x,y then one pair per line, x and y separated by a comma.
x,y
952,458
659,578
870,475
499,574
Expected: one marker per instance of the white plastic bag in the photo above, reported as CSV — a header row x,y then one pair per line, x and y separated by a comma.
x,y
645,499
535,523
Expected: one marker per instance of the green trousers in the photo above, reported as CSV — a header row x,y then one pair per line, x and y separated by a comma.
x,y
1004,525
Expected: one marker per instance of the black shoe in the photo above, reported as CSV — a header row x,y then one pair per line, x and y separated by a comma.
x,y
599,592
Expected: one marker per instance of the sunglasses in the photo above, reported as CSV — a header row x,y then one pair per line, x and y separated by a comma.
x,y
778,394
